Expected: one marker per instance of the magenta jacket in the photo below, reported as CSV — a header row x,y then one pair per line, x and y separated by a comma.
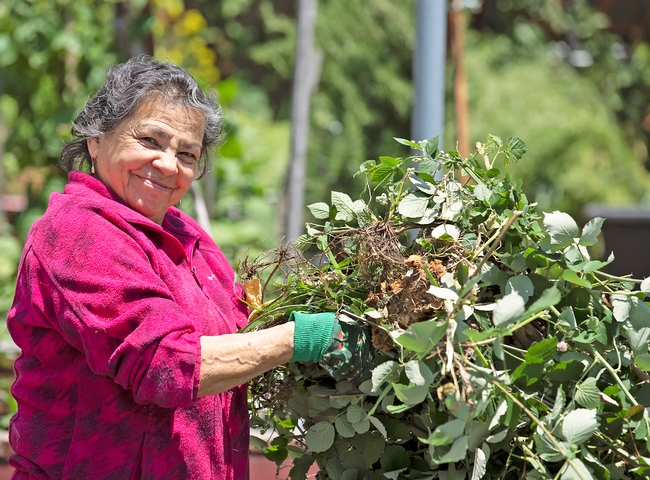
x,y
108,312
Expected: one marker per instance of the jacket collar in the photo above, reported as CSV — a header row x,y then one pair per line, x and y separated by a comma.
x,y
87,186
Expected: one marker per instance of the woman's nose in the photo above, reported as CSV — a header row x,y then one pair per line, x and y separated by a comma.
x,y
166,162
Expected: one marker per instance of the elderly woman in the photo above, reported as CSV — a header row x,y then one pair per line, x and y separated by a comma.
x,y
126,311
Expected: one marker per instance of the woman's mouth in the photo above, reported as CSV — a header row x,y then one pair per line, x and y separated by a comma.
x,y
155,184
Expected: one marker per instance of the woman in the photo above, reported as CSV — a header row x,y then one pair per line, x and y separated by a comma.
x,y
126,310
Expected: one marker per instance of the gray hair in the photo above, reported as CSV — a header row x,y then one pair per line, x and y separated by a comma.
x,y
127,86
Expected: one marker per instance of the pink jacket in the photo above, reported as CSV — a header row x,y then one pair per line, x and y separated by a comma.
x,y
108,312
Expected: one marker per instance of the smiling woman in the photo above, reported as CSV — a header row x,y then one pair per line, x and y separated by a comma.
x,y
151,159
127,312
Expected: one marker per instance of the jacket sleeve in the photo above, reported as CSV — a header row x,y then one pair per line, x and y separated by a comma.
x,y
107,301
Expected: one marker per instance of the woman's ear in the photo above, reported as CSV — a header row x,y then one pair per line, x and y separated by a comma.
x,y
93,147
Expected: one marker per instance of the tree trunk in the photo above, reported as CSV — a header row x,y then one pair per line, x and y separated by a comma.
x,y
457,21
460,80
125,18
3,139
200,210
305,79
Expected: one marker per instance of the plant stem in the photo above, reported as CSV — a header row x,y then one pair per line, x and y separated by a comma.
x,y
620,383
620,279
496,243
541,426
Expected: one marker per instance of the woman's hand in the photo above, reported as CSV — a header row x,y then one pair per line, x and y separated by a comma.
x,y
339,344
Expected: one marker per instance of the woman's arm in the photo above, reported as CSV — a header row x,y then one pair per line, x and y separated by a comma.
x,y
230,360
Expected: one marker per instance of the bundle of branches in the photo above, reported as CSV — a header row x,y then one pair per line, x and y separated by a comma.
x,y
502,349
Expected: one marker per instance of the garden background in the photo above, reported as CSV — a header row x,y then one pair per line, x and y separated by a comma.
x,y
570,77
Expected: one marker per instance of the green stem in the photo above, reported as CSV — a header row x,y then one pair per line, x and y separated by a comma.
x,y
541,425
620,279
496,243
479,354
620,383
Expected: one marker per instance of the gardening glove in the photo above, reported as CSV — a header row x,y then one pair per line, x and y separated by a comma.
x,y
340,345
349,350
312,335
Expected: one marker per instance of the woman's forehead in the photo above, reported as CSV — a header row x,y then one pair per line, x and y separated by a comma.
x,y
159,113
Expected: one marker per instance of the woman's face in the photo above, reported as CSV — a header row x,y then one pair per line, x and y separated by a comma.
x,y
152,157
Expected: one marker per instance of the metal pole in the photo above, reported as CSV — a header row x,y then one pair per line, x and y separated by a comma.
x,y
429,69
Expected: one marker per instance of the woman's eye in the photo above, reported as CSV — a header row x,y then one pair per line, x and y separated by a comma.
x,y
188,158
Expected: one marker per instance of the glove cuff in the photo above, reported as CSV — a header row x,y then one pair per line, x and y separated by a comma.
x,y
312,335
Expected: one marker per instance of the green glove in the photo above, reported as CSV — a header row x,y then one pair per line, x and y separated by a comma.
x,y
349,350
312,335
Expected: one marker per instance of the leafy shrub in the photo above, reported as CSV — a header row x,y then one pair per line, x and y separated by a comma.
x,y
502,349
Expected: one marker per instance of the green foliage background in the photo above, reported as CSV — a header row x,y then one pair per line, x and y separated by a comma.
x,y
584,125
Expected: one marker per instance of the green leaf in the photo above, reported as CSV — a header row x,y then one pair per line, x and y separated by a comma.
x,y
515,149
414,205
350,474
431,148
457,452
501,410
444,293
361,426
528,373
639,340
418,373
645,285
344,427
345,208
411,394
587,394
621,306
379,426
548,298
480,462
422,336
277,453
639,313
390,161
395,459
384,372
593,265
447,432
423,186
320,437
576,470
303,242
561,227
591,231
643,362
380,173
508,309
301,467
258,443
334,468
446,231
579,425
565,371
544,350
520,284
545,448
483,193
558,405
355,413
568,318
373,449
571,276
408,143
319,210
